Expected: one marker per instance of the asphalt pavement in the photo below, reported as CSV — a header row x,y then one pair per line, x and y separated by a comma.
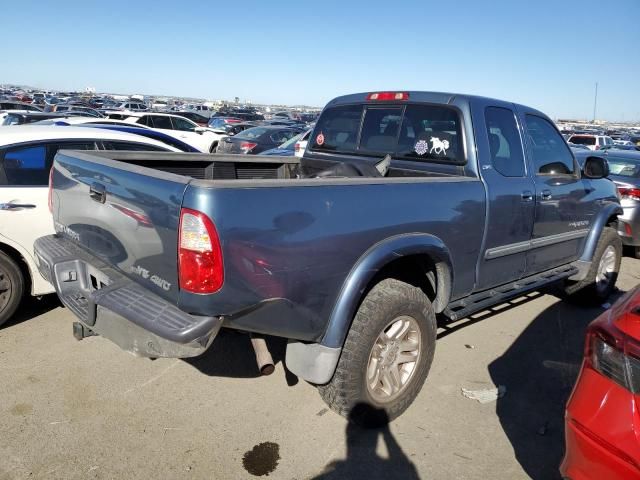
x,y
87,410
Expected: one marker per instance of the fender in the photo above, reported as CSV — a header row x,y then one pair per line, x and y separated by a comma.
x,y
609,210
368,266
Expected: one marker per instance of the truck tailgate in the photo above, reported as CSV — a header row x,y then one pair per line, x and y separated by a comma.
x,y
124,214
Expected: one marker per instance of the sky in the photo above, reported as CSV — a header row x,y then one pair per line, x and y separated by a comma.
x,y
547,54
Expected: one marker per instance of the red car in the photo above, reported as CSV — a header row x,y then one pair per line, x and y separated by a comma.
x,y
602,421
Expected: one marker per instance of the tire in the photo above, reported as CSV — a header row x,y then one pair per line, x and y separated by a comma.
x,y
390,305
594,289
11,287
214,147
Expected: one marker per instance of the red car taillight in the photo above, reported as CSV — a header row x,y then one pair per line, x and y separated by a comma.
x,y
246,147
629,192
613,353
200,266
50,198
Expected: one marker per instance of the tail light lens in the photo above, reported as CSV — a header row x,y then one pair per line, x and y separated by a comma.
x,y
200,266
629,192
297,147
246,147
387,96
614,354
50,197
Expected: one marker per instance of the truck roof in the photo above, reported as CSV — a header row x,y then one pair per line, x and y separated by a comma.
x,y
420,96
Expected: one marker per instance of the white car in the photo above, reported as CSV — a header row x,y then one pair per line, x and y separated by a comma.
x,y
592,142
201,138
26,155
301,144
125,108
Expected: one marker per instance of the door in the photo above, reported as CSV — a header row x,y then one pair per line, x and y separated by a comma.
x,y
562,207
24,205
510,207
188,134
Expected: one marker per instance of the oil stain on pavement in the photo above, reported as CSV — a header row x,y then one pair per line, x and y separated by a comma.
x,y
262,459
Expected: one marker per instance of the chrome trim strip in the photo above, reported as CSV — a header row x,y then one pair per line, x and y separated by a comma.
x,y
520,247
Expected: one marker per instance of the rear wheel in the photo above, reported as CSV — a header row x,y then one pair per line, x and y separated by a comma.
x,y
601,279
214,147
386,356
11,287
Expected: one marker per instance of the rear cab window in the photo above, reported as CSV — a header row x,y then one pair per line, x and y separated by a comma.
x,y
418,132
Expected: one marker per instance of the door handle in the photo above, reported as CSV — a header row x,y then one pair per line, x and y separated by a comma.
x,y
15,206
527,196
545,195
98,192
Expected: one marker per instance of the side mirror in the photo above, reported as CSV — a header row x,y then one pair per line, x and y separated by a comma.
x,y
200,130
595,168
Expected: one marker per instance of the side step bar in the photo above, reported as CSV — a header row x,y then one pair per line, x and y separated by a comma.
x,y
485,299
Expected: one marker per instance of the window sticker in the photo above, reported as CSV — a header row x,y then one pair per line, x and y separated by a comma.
x,y
421,147
439,146
320,139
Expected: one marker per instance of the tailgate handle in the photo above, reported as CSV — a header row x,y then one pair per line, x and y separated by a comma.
x,y
98,192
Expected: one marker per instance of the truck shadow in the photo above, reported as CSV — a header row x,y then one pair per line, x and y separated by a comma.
x,y
539,370
231,355
32,307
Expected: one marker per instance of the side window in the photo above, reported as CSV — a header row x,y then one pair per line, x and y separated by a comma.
x,y
158,121
144,120
551,155
182,124
132,146
26,165
504,142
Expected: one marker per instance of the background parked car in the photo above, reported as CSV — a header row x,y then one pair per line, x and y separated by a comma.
x,y
26,155
593,142
257,139
601,421
219,123
204,139
194,117
19,106
301,144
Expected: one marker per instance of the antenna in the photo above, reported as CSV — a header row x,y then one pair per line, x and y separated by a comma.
x,y
595,103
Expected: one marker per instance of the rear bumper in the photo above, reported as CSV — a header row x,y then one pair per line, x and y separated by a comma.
x,y
114,306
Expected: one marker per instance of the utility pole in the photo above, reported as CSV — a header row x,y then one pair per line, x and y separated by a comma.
x,y
595,103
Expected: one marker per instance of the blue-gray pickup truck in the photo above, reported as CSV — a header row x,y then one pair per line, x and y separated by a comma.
x,y
405,206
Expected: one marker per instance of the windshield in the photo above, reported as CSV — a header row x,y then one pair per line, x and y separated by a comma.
x,y
624,167
415,132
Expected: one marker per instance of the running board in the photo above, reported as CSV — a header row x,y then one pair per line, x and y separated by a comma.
x,y
488,298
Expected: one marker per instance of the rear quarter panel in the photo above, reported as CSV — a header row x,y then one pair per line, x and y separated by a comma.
x,y
288,247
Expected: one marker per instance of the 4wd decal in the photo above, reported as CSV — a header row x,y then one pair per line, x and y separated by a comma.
x,y
155,279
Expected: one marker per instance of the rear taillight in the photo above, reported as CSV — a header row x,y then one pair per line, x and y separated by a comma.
x,y
50,198
614,354
628,192
246,147
200,267
387,96
297,147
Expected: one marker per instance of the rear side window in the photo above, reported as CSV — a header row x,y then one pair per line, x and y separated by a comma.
x,y
160,122
411,132
582,140
551,154
26,165
504,142
624,167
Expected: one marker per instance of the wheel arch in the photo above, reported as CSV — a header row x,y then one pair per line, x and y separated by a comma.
x,y
607,216
22,264
420,259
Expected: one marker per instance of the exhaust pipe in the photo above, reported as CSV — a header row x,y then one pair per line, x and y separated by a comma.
x,y
263,356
